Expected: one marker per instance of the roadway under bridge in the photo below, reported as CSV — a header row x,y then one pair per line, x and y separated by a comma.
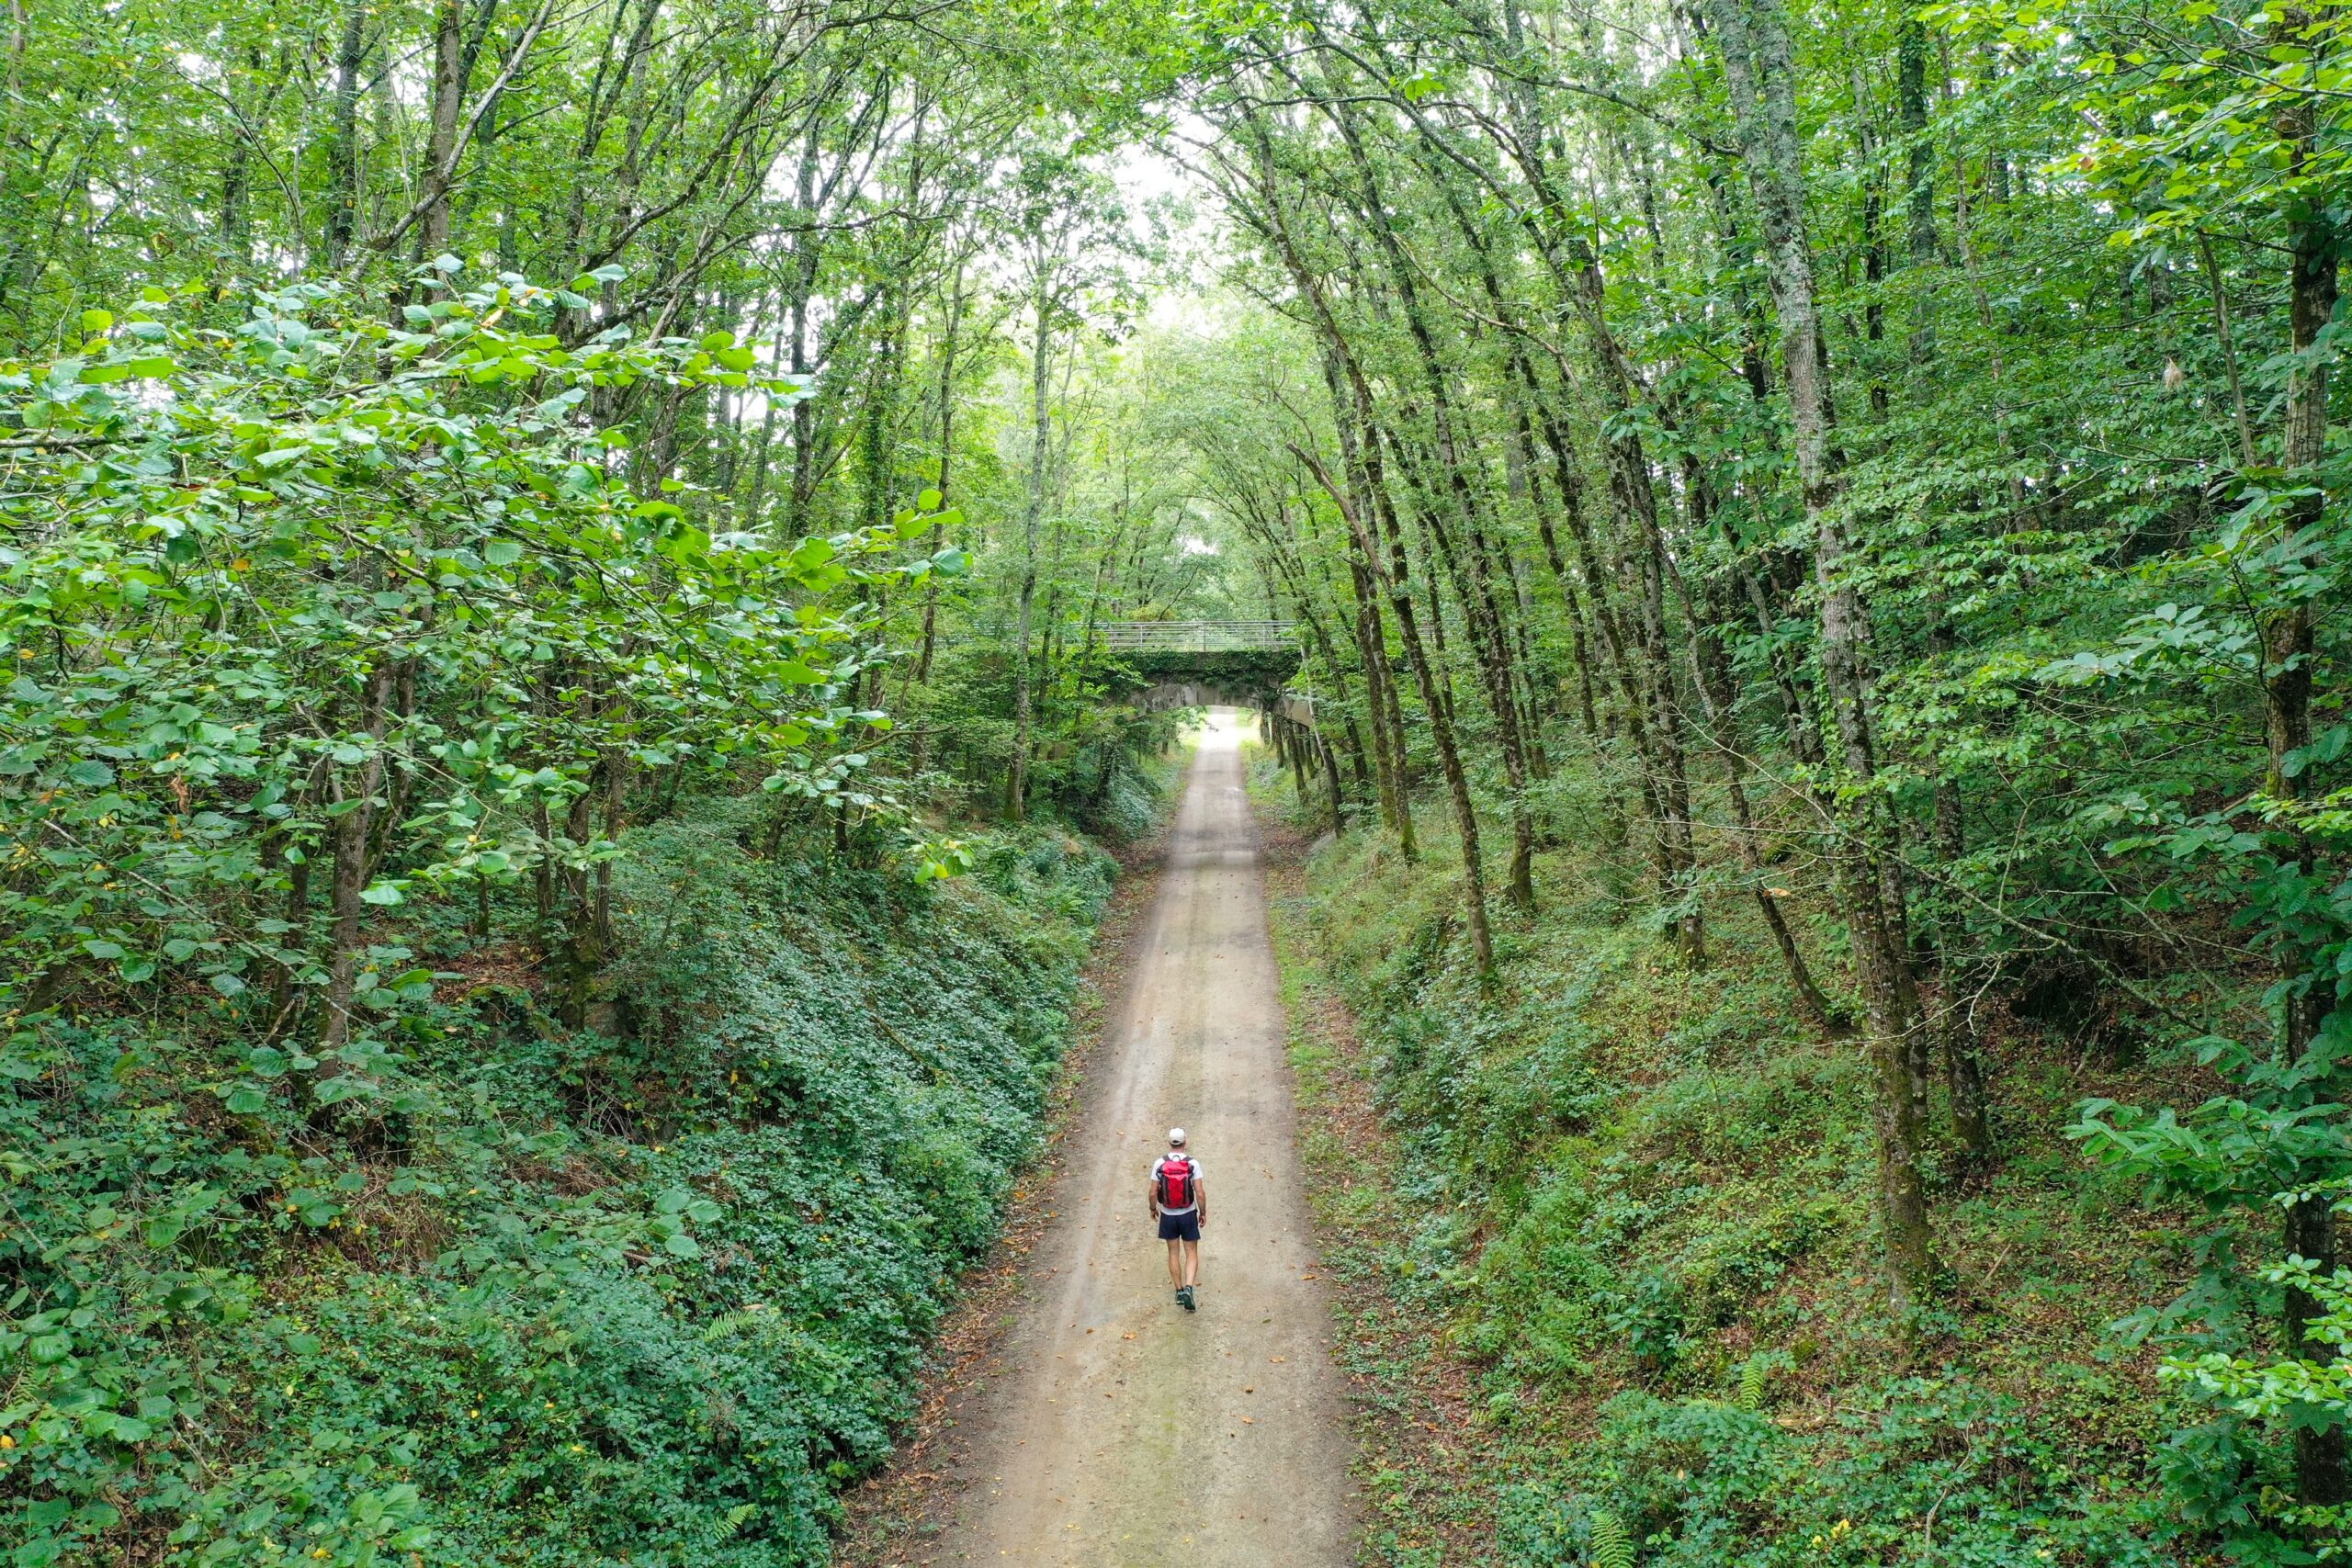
x,y
1231,664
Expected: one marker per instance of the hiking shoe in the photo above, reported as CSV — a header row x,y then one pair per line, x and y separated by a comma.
x,y
1185,1296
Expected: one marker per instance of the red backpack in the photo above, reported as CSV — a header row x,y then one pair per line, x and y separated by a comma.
x,y
1174,1175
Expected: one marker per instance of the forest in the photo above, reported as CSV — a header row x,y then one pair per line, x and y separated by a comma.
x,y
565,749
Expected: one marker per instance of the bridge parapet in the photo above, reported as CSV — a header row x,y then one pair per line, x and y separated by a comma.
x,y
1197,637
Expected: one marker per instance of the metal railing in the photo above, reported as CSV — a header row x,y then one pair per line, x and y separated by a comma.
x,y
1196,637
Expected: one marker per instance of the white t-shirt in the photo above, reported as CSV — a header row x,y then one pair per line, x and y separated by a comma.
x,y
1197,1180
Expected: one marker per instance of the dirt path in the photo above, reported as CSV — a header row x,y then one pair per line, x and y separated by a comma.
x,y
1118,1430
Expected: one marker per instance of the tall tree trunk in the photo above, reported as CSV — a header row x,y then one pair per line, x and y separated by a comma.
x,y
441,136
808,251
1962,1059
1919,198
1351,401
1490,645
342,135
1710,677
946,457
1760,73
2289,651
353,794
1657,710
1457,781
1398,583
1372,652
1331,781
1017,782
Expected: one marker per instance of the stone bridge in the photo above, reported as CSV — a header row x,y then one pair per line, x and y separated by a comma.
x,y
1204,663
1236,664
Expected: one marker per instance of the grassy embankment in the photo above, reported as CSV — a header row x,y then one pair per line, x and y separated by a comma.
x,y
1605,1235
648,1292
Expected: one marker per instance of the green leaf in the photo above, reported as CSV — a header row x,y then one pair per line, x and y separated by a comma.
x,y
342,1086
91,775
810,554
381,893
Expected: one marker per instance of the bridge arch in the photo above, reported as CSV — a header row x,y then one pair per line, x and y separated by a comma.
x,y
1230,663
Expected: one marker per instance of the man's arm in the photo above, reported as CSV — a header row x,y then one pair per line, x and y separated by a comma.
x,y
1151,1195
1200,1199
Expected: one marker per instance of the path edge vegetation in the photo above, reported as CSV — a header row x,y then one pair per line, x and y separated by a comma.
x,y
912,1495
1419,1455
1606,1235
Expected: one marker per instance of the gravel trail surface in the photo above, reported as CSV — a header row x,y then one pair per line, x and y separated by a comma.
x,y
1119,1429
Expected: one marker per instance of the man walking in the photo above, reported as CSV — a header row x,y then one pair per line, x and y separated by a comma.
x,y
1182,1209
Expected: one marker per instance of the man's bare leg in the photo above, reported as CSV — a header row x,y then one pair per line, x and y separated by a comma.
x,y
1176,1250
1191,1263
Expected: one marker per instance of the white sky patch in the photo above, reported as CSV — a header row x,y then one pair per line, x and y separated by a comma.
x,y
1173,216
1193,544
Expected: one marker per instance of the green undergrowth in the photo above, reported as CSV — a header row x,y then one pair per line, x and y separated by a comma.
x,y
649,1292
1624,1208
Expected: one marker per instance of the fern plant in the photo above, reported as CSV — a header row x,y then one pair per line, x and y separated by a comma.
x,y
1612,1543
1752,1373
1756,1378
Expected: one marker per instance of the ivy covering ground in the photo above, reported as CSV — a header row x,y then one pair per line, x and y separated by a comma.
x,y
1607,1237
647,1293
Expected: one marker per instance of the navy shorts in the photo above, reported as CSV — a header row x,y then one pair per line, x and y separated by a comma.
x,y
1181,1227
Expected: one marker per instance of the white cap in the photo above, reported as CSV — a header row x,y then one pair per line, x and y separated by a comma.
x,y
1175,1138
